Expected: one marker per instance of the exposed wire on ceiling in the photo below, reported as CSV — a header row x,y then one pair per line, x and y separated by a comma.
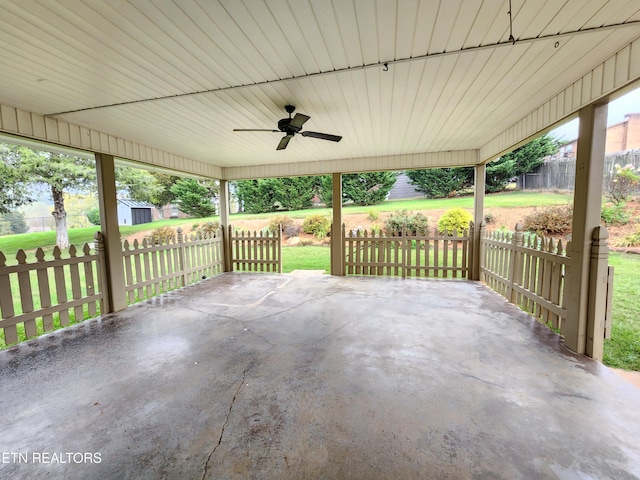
x,y
385,65
511,37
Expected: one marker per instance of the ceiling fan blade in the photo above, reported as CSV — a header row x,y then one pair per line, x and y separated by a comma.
x,y
284,142
298,120
255,130
322,136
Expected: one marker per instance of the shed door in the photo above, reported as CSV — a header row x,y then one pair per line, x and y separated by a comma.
x,y
140,215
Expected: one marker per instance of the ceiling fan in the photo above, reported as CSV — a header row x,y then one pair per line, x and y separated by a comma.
x,y
291,126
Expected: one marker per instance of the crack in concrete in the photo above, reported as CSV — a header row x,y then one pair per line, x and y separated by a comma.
x,y
226,420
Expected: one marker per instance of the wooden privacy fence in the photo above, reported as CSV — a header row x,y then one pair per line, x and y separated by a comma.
x,y
37,297
421,254
257,252
152,268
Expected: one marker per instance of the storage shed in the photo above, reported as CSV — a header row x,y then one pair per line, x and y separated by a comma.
x,y
131,212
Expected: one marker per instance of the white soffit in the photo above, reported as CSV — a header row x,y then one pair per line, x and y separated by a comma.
x,y
123,77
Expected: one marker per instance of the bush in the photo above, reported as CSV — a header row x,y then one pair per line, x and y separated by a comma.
x,y
373,215
207,229
402,220
161,235
622,184
555,220
93,216
318,225
489,217
615,215
275,222
454,219
632,240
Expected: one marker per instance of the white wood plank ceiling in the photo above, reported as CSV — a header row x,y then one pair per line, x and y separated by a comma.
x,y
179,75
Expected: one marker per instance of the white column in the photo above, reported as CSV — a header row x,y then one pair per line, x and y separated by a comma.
x,y
587,204
115,288
337,250
224,224
478,216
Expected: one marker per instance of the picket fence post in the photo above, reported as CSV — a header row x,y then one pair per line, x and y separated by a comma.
x,y
105,305
181,257
598,279
482,251
515,265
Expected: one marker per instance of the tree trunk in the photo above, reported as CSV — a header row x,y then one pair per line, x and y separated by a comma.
x,y
160,211
60,216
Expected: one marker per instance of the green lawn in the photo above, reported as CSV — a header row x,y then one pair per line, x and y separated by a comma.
x,y
306,258
623,350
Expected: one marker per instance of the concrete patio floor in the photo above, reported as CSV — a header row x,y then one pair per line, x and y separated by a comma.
x,y
292,376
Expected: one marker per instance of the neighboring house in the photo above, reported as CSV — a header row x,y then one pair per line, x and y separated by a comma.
x,y
621,137
131,212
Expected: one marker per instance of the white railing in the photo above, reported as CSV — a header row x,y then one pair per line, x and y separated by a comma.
x,y
38,297
255,252
152,268
422,254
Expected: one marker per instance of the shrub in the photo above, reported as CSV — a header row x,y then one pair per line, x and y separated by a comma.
x,y
622,184
632,240
93,216
161,235
373,215
555,220
207,229
317,225
403,220
615,215
292,230
275,222
454,219
489,217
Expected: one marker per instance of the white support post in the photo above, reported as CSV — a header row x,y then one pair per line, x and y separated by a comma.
x,y
337,242
115,288
478,216
587,204
224,224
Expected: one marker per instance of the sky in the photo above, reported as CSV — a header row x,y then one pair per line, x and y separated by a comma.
x,y
629,103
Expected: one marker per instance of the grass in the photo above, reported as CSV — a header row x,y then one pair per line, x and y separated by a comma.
x,y
623,349
306,258
501,200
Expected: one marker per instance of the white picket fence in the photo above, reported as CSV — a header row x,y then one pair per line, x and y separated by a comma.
x,y
257,251
421,254
152,268
529,271
38,297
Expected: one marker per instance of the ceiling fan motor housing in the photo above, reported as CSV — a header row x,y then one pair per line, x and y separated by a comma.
x,y
284,126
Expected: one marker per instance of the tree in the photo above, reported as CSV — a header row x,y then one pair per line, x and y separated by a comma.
x,y
62,173
522,160
360,188
13,180
12,222
139,185
256,196
368,188
164,196
441,182
195,198
295,193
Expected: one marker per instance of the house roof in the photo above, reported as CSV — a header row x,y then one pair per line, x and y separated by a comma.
x,y
165,83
